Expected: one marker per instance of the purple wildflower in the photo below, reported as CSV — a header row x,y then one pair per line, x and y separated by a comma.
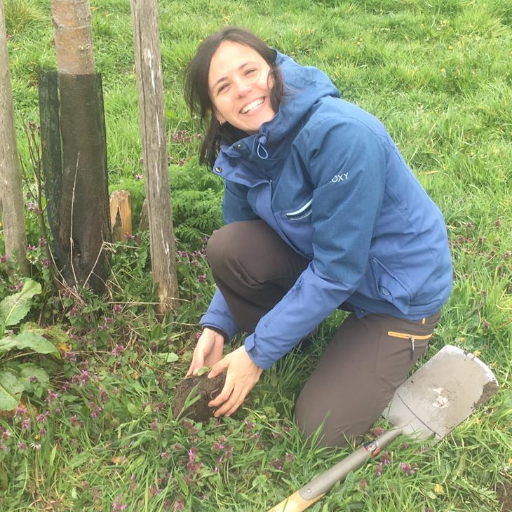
x,y
51,396
84,377
118,349
103,394
117,308
25,424
117,505
386,458
20,411
138,176
201,278
41,418
68,356
22,446
277,463
407,468
179,504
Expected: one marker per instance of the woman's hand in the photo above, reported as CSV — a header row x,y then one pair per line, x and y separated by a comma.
x,y
208,351
242,375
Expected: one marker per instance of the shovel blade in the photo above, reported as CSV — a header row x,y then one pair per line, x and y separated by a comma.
x,y
441,394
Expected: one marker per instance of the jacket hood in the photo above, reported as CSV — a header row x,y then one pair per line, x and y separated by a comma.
x,y
303,87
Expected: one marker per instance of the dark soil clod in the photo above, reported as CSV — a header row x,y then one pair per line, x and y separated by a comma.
x,y
207,389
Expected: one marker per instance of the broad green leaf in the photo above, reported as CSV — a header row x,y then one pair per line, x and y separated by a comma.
x,y
170,357
15,307
53,332
203,370
31,370
35,342
10,390
7,343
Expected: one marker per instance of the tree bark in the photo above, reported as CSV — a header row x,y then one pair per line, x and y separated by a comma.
x,y
73,36
11,187
83,204
153,134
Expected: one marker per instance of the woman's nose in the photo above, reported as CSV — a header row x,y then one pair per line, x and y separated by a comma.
x,y
242,87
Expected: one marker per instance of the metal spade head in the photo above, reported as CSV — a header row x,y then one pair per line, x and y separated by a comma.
x,y
441,394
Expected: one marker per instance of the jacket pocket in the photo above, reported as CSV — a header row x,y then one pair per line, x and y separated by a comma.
x,y
301,213
390,288
298,229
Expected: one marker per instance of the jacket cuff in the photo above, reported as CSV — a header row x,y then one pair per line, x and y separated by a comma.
x,y
257,358
218,331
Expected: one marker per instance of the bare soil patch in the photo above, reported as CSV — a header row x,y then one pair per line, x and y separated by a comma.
x,y
207,389
504,492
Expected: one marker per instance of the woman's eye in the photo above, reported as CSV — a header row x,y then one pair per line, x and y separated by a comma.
x,y
250,72
222,88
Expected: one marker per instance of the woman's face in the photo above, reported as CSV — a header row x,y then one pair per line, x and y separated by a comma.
x,y
240,87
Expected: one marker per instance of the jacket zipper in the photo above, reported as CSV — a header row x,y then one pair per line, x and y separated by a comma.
x,y
409,337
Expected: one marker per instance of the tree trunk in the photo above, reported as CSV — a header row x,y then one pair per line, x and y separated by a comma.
x,y
83,223
153,135
11,188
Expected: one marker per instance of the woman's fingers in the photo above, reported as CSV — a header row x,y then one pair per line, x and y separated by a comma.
x,y
207,352
223,396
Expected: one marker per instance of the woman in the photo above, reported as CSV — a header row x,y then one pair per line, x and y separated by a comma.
x,y
321,213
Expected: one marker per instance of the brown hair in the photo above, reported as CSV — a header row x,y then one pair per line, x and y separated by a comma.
x,y
197,91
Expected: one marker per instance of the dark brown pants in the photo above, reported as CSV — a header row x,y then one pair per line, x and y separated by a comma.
x,y
367,359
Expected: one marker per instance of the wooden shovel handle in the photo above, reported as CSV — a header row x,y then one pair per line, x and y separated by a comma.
x,y
323,482
294,503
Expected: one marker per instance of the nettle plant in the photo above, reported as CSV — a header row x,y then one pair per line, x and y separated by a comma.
x,y
17,377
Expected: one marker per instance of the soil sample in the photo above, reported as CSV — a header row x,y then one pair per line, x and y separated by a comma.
x,y
207,389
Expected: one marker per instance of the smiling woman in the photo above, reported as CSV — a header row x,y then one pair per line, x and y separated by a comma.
x,y
321,213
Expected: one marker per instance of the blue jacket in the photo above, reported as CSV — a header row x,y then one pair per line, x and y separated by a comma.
x,y
326,176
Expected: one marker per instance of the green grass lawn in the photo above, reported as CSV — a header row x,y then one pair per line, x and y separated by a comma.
x,y
439,75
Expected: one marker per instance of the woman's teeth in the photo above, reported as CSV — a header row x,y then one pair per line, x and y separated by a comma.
x,y
252,106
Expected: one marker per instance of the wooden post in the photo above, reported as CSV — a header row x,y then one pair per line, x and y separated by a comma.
x,y
11,187
153,134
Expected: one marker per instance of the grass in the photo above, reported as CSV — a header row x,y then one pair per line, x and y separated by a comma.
x,y
438,75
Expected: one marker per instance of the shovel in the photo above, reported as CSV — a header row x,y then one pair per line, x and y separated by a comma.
x,y
431,403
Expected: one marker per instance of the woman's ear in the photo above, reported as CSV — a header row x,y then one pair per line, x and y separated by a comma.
x,y
218,116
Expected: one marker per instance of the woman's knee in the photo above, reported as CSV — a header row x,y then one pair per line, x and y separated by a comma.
x,y
223,245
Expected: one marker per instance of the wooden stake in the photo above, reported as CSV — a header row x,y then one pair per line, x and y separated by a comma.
x,y
153,134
